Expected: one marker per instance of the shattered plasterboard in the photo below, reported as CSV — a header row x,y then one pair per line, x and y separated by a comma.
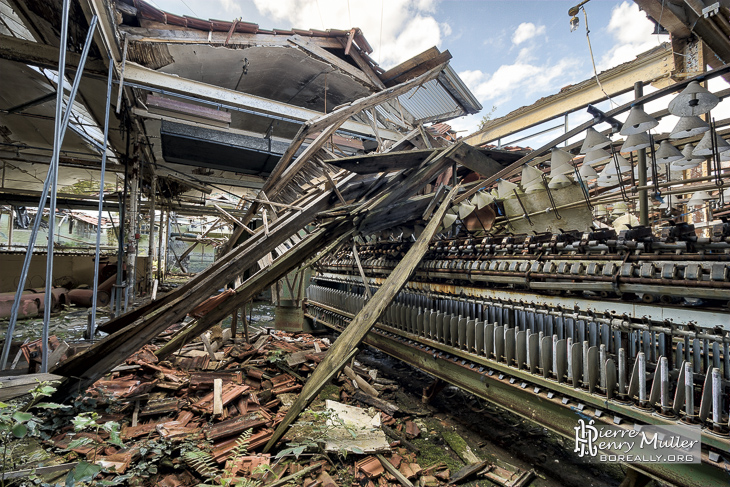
x,y
352,429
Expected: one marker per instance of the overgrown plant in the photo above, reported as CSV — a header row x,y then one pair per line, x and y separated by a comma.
x,y
202,461
17,423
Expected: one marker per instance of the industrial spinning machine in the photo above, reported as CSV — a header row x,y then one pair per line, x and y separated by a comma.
x,y
622,326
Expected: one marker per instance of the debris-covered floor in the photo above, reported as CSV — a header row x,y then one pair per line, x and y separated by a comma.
x,y
204,415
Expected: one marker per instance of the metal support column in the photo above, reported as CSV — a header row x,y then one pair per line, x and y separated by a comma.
x,y
131,232
151,248
641,164
61,121
92,325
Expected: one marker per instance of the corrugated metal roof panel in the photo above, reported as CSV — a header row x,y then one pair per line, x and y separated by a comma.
x,y
431,102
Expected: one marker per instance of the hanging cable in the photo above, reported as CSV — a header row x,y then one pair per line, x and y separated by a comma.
x,y
593,61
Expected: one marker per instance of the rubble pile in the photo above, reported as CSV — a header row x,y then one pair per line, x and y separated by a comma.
x,y
207,412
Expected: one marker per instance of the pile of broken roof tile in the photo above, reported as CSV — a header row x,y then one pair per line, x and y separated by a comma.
x,y
204,398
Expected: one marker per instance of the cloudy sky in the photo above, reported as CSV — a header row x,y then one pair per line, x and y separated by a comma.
x,y
509,53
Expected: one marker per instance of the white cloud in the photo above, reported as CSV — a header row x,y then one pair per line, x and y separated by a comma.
x,y
522,78
405,28
632,33
526,31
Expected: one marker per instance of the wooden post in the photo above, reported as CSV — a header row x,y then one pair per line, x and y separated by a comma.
x,y
245,323
339,353
234,324
217,397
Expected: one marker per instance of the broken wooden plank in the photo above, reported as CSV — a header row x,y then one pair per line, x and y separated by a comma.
x,y
388,408
361,383
235,426
385,162
217,397
394,471
18,385
363,321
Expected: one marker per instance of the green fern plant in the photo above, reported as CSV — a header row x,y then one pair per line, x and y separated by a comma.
x,y
202,462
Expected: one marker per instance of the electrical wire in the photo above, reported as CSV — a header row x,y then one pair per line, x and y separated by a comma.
x,y
593,61
320,15
380,42
188,6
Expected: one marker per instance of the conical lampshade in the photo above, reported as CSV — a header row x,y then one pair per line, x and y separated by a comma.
x,y
726,194
693,100
689,127
565,168
699,198
667,153
638,121
688,161
704,148
559,181
530,175
558,157
620,208
482,199
449,219
623,165
600,210
535,187
596,156
505,189
635,142
465,209
587,172
606,180
594,140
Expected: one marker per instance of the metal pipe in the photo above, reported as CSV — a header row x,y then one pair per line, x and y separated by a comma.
x,y
92,325
63,121
54,178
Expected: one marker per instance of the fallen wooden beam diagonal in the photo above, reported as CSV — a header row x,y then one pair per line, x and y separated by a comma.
x,y
85,368
363,322
314,242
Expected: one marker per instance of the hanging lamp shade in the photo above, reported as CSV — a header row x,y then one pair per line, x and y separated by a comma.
x,y
704,147
535,187
699,198
623,166
667,153
726,194
688,161
505,189
594,140
565,168
559,181
596,156
600,210
619,208
587,172
693,100
558,157
689,127
449,219
530,175
635,142
638,121
466,209
482,199
606,180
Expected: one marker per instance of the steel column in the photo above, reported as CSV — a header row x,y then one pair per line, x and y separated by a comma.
x,y
92,326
